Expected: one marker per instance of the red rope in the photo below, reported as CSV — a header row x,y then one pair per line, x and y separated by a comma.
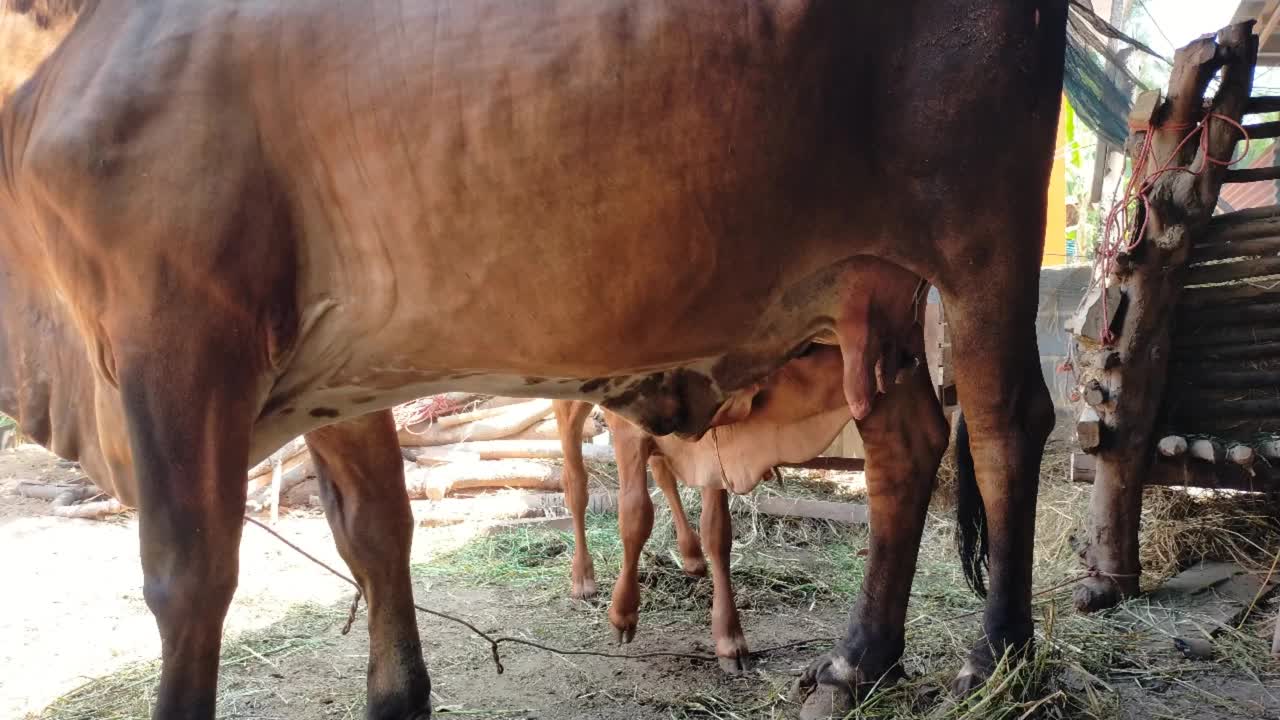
x,y
1118,223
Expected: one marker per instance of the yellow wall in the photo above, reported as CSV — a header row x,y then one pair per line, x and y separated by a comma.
x,y
1055,232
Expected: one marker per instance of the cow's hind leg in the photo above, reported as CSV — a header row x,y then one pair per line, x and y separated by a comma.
x,y
189,418
686,537
1009,415
905,438
570,415
632,447
726,627
361,479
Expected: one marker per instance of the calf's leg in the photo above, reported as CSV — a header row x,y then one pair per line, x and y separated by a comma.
x,y
632,447
570,415
361,478
905,437
726,628
686,537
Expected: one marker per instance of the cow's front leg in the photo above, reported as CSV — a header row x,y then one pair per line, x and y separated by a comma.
x,y
189,417
905,437
361,479
631,447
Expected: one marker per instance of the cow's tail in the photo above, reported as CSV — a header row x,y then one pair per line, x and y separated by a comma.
x,y
971,515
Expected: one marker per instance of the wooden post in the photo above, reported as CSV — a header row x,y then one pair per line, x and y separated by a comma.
x,y
1148,280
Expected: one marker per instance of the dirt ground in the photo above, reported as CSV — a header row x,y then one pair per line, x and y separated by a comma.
x,y
79,642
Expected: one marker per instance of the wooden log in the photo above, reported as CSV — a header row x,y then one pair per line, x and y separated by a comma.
x,y
1209,377
1241,455
439,455
42,491
519,449
1089,322
1210,406
90,510
512,506
1200,298
1205,450
273,498
1240,335
1217,317
1262,104
841,512
1094,394
549,430
1225,428
1269,449
1262,130
1247,241
292,472
505,423
287,452
488,410
841,464
1166,472
1172,446
1248,175
437,482
1240,351
1243,269
1089,430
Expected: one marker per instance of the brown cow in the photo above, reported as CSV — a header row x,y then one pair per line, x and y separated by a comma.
x,y
261,218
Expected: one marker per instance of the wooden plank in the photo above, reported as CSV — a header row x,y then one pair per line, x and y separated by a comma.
x,y
1247,175
1201,376
1228,352
1233,271
844,464
841,512
502,449
1177,472
1198,298
1262,104
1217,317
1262,130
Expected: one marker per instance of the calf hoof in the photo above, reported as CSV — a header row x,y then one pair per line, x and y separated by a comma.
x,y
1097,593
732,653
584,589
624,624
735,664
831,686
695,566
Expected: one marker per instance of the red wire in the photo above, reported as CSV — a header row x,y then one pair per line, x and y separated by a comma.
x,y
1117,224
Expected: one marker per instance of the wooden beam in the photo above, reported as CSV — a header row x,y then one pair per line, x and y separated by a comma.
x,y
842,464
1263,130
1242,269
1262,104
1268,17
1201,376
1238,335
1207,297
841,512
1167,472
1248,175
1216,317
1266,241
1229,352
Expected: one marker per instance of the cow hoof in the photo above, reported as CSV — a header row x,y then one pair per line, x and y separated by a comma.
x,y
735,664
831,686
1096,593
970,678
584,589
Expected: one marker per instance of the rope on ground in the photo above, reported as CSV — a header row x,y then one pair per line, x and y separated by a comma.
x,y
495,642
